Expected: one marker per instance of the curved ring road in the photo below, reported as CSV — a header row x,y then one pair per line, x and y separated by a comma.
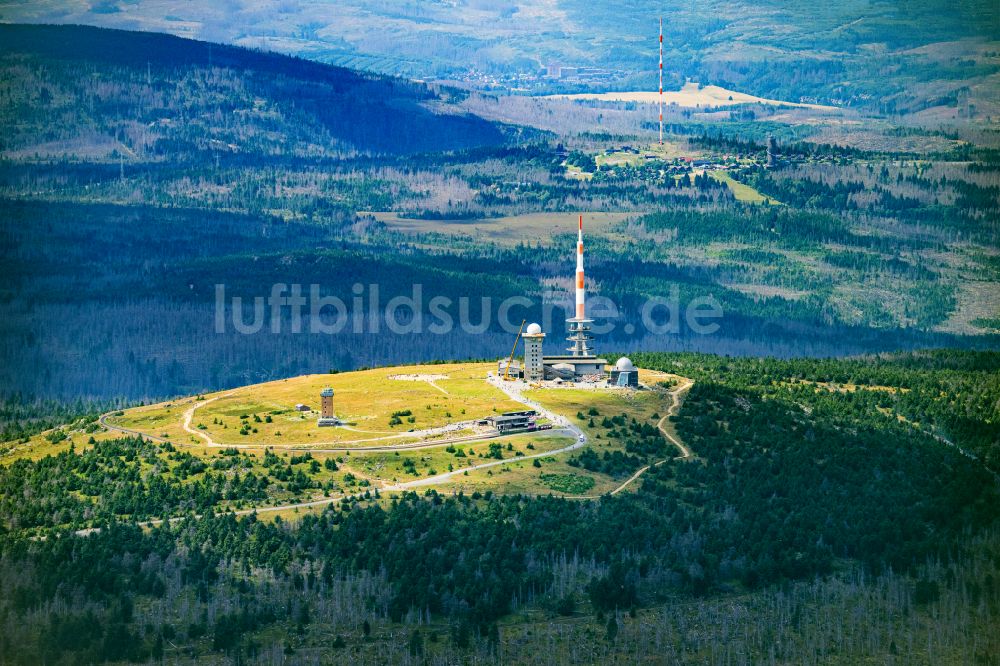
x,y
512,391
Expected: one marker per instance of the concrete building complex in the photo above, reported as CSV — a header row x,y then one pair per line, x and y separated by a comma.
x,y
581,363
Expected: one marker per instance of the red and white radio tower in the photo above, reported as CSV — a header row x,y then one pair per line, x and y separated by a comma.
x,y
661,80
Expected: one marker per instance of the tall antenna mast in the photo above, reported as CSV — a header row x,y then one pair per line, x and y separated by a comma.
x,y
580,293
579,326
661,80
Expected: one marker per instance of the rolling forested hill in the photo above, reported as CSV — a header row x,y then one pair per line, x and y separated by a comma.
x,y
138,171
76,90
889,56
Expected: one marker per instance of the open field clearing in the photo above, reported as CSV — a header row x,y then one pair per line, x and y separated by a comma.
x,y
671,148
163,420
509,230
552,476
691,95
376,408
977,301
619,158
740,191
643,405
403,466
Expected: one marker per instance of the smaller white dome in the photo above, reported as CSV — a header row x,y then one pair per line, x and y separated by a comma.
x,y
624,363
533,329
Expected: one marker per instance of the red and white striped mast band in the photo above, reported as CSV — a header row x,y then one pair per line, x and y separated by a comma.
x,y
580,310
661,80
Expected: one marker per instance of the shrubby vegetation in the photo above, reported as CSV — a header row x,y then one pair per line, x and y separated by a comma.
x,y
947,395
20,418
142,480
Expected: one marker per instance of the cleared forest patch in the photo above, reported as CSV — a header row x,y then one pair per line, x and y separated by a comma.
x,y
508,230
691,95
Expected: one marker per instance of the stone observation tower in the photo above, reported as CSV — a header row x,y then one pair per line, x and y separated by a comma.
x,y
326,417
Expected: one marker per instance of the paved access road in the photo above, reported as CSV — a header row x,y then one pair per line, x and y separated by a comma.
x,y
560,424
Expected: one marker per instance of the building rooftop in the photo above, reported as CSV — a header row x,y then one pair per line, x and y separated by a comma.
x,y
624,363
504,418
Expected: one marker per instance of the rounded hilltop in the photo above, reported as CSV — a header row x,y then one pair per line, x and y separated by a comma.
x,y
392,429
375,407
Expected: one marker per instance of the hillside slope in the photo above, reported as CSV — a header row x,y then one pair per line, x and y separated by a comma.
x,y
85,92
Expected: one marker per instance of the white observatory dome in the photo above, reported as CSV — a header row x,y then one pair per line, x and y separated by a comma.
x,y
624,363
533,329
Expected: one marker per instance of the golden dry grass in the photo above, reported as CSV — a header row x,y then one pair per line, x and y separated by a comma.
x,y
158,420
389,465
690,96
436,395
365,400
